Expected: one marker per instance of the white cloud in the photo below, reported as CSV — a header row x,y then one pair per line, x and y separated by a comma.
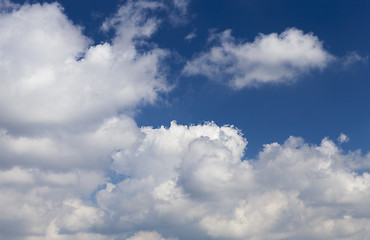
x,y
194,178
73,166
61,106
46,85
16,175
89,149
250,218
33,198
343,138
272,58
190,36
147,235
291,190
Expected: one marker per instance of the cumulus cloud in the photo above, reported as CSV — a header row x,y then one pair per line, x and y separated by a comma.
x,y
33,198
62,106
74,166
195,178
194,182
272,58
52,76
293,190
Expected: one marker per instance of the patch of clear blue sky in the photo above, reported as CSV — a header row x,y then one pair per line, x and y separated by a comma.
x,y
319,104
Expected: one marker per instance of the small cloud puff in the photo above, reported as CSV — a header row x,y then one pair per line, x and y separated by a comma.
x,y
190,36
343,138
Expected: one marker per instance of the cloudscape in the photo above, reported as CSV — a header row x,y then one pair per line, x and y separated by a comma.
x,y
184,119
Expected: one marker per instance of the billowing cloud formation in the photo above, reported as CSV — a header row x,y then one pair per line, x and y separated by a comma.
x,y
51,75
74,166
190,182
195,177
272,58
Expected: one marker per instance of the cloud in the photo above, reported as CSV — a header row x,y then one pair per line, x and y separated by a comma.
x,y
74,165
62,106
272,58
33,197
178,11
147,235
190,36
196,178
352,58
6,5
86,149
181,5
343,138
51,74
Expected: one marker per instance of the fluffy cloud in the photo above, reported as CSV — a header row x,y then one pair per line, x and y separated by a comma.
x,y
343,138
194,182
87,149
32,198
195,178
293,190
60,99
74,166
272,58
52,76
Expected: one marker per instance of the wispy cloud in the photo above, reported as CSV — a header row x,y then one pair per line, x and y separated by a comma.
x,y
190,36
352,58
179,13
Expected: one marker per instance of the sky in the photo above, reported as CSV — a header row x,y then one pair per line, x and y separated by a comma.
x,y
184,119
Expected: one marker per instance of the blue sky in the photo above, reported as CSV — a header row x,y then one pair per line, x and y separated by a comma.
x,y
184,119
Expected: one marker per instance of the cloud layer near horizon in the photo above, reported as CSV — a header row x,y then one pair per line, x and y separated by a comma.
x,y
74,165
190,182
